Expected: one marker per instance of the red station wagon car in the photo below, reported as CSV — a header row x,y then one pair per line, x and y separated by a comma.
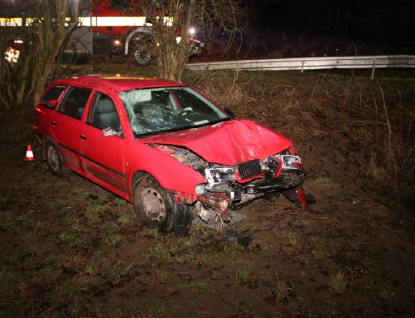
x,y
164,147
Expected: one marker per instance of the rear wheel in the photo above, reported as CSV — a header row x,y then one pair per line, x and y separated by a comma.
x,y
155,207
53,157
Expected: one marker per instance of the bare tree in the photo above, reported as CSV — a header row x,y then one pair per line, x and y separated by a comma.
x,y
45,28
171,18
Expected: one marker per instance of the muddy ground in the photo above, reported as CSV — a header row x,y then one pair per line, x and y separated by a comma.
x,y
72,249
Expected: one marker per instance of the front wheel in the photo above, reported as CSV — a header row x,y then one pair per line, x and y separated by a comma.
x,y
155,207
53,157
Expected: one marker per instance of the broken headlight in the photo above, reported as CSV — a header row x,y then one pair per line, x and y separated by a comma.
x,y
200,188
217,178
290,162
215,175
184,155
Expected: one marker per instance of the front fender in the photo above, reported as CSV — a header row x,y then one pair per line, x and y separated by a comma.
x,y
169,172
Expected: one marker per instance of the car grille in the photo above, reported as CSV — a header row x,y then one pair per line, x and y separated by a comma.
x,y
249,169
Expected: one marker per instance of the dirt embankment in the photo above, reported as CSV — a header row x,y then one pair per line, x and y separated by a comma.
x,y
71,249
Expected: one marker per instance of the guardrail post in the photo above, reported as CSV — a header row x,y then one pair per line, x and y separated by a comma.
x,y
373,68
302,66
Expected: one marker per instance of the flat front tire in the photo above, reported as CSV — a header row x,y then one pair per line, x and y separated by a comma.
x,y
155,207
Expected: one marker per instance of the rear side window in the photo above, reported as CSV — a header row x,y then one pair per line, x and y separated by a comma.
x,y
74,102
52,95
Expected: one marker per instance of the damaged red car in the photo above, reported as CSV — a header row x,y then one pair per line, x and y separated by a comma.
x,y
164,147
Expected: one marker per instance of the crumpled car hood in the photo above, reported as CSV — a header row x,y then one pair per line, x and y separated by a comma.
x,y
227,143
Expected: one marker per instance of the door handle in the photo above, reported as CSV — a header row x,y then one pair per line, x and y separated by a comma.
x,y
54,123
82,137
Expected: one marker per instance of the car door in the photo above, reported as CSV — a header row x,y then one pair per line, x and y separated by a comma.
x,y
46,106
103,156
66,124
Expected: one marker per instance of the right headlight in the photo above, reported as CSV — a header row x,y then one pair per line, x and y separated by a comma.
x,y
289,161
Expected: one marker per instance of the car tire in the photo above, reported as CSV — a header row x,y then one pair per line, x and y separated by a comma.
x,y
155,207
182,219
140,52
54,158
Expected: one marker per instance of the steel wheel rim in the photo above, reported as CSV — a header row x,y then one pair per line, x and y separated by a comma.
x,y
153,205
142,55
53,158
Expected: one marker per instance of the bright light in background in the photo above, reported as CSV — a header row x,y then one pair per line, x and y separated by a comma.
x,y
12,55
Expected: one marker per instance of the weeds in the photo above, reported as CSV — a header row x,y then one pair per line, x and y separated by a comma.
x,y
200,287
326,245
215,90
158,311
338,283
58,203
114,240
294,239
325,181
241,273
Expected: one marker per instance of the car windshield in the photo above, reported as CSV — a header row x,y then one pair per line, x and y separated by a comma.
x,y
158,110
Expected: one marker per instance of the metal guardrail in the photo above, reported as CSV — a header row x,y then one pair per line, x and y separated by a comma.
x,y
312,63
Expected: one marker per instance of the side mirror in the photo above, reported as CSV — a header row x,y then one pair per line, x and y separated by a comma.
x,y
230,114
49,104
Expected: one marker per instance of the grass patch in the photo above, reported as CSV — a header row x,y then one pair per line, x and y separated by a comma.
x,y
158,311
241,273
58,203
114,240
325,181
325,245
338,283
200,287
68,238
294,239
128,218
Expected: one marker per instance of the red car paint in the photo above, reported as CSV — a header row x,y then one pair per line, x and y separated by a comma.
x,y
232,161
229,142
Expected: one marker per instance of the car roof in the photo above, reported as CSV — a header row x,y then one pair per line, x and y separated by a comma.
x,y
121,82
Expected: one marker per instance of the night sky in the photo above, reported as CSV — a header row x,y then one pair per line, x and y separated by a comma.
x,y
390,24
